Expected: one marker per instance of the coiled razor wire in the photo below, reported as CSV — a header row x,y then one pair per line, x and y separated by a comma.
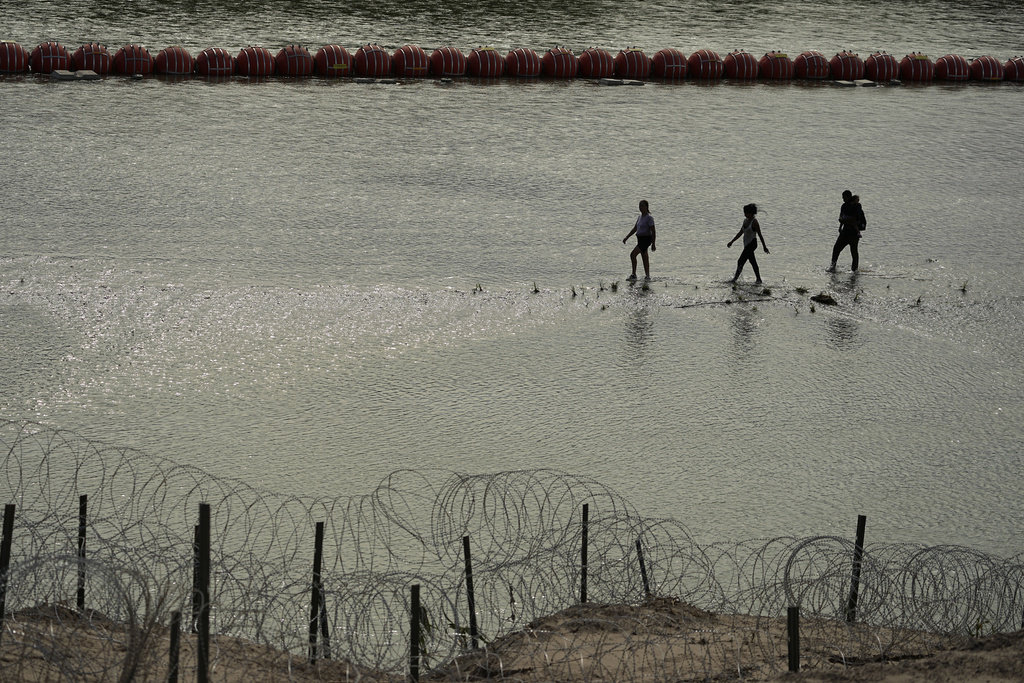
x,y
703,611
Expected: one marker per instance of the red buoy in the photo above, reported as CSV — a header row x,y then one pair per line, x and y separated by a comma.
x,y
447,61
13,57
632,63
410,62
522,61
485,62
254,60
811,64
952,68
596,63
49,57
741,65
93,57
174,60
669,63
372,61
881,67
986,69
776,66
1013,70
705,65
846,66
133,59
332,61
214,61
559,62
293,60
917,67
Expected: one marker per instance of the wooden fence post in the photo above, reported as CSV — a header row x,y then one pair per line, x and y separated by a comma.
x,y
5,559
82,506
858,555
583,554
470,597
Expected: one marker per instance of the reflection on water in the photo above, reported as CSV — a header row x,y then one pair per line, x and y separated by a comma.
x,y
842,333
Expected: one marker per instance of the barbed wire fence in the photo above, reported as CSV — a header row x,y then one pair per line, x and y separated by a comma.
x,y
109,594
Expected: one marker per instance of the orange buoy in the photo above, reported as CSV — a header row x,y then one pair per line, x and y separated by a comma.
x,y
373,61
93,57
1013,70
214,61
632,63
986,68
13,57
917,67
705,65
559,62
410,62
48,57
521,62
811,64
447,61
669,63
952,68
485,62
133,59
332,61
881,67
776,66
254,60
596,63
741,65
174,60
846,66
293,60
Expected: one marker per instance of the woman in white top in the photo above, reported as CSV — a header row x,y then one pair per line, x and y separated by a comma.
x,y
645,237
751,233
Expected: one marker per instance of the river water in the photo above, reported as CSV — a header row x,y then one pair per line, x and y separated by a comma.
x,y
308,284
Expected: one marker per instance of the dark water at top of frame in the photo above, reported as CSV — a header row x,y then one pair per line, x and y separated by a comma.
x,y
309,284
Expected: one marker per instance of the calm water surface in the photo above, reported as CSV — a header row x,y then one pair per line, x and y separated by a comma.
x,y
308,285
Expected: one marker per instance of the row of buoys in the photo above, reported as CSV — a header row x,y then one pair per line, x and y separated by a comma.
x,y
412,61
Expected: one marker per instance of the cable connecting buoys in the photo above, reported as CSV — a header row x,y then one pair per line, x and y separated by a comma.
x,y
917,68
13,57
632,63
93,57
522,62
293,60
1013,70
776,66
669,63
254,60
705,65
447,61
173,61
372,61
986,68
811,64
846,66
741,65
952,68
881,67
410,62
485,62
559,62
215,62
596,63
133,59
332,61
48,57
